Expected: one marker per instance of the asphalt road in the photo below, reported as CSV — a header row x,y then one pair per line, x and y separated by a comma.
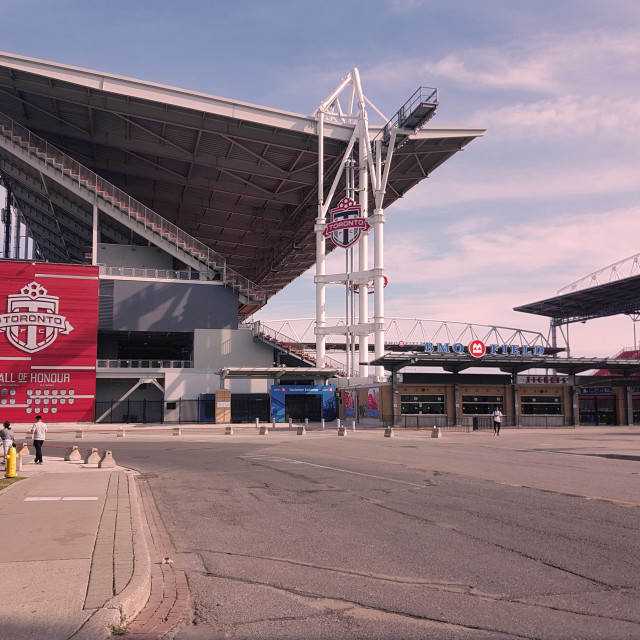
x,y
365,537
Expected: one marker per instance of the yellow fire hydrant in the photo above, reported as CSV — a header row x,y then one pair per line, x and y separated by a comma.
x,y
12,463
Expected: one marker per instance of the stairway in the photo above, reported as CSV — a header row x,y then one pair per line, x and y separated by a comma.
x,y
292,348
116,203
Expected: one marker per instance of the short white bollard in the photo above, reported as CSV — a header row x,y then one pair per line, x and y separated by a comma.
x,y
257,423
353,425
306,423
290,423
107,461
73,455
322,422
338,423
92,457
273,424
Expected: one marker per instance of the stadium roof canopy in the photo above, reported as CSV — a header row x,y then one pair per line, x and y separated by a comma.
x,y
617,297
508,364
240,178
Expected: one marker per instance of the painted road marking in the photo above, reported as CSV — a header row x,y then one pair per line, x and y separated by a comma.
x,y
355,473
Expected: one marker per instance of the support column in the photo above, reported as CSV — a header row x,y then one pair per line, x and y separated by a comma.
x,y
378,291
576,406
363,245
516,401
629,395
456,403
321,316
94,238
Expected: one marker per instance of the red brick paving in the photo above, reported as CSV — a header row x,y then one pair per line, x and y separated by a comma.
x,y
169,598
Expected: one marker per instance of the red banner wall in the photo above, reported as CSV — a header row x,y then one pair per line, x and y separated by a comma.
x,y
48,338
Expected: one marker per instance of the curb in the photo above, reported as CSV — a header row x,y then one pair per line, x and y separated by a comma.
x,y
131,600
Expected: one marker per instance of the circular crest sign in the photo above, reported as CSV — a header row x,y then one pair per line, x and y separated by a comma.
x,y
477,348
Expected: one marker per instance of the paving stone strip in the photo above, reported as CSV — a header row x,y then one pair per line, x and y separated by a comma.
x,y
112,560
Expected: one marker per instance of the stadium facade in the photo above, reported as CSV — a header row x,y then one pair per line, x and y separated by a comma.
x,y
145,224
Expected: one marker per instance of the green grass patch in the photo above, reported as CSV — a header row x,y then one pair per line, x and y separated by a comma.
x,y
5,482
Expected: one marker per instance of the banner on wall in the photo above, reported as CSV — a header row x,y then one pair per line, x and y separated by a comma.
x,y
349,402
374,402
48,338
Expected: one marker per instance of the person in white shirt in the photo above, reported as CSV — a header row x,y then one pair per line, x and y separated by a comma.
x,y
39,431
497,420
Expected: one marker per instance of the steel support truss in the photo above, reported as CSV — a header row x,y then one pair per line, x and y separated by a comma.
x,y
368,171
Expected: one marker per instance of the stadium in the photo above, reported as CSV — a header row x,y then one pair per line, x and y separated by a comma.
x,y
144,225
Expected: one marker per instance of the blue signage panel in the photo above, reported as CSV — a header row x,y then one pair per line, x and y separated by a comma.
x,y
279,393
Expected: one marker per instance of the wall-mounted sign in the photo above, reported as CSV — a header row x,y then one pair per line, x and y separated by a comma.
x,y
544,380
477,349
346,223
48,336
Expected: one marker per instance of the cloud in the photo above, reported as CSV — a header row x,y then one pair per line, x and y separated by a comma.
x,y
592,60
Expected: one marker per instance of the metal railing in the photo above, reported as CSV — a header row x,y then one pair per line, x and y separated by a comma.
x,y
144,364
141,272
286,343
134,210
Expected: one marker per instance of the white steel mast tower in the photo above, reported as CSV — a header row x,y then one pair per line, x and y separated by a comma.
x,y
373,163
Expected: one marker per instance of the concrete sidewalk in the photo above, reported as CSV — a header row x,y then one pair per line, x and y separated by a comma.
x,y
74,556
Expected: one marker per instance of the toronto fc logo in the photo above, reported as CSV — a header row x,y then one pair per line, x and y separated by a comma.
x,y
346,224
32,322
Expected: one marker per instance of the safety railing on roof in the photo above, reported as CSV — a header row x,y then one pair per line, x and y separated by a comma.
x,y
145,364
135,211
143,272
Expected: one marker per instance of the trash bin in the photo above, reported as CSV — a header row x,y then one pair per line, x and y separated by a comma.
x,y
475,423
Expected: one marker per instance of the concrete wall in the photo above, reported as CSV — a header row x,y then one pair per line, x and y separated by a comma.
x,y
143,305
217,348
117,255
192,383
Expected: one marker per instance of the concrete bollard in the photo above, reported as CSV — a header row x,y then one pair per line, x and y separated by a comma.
x,y
24,450
388,433
73,455
290,423
107,461
228,430
353,425
342,431
322,423
79,433
302,431
257,423
273,424
306,423
338,423
436,432
264,431
19,463
92,457
121,433
177,431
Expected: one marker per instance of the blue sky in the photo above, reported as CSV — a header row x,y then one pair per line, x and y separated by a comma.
x,y
550,194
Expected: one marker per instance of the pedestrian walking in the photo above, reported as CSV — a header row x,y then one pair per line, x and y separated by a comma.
x,y
7,437
39,431
497,420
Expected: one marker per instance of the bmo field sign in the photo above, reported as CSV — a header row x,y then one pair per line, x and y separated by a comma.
x,y
48,336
